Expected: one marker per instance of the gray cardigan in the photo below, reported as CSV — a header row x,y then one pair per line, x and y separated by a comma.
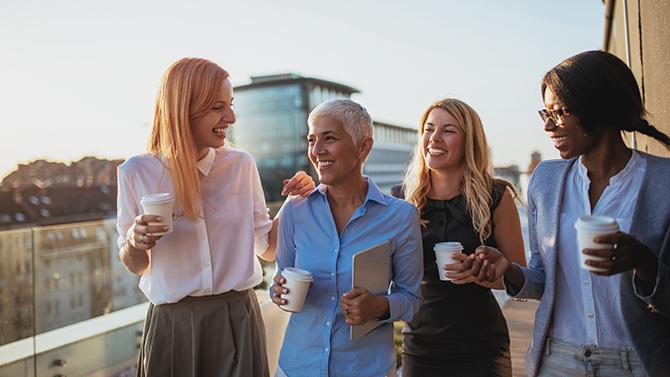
x,y
647,317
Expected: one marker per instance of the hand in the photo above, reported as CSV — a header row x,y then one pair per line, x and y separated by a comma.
x,y
460,272
278,289
360,306
489,264
300,184
625,253
140,230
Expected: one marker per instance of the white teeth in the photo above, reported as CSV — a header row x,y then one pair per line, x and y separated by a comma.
x,y
220,131
323,164
436,151
559,140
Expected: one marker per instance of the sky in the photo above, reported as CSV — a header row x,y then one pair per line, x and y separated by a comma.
x,y
79,78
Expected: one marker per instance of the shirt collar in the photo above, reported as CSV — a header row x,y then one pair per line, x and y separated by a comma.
x,y
619,177
205,163
373,194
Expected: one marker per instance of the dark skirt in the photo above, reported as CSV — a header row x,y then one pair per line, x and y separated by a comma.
x,y
220,335
470,365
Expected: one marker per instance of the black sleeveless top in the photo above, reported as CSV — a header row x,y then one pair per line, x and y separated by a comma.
x,y
453,319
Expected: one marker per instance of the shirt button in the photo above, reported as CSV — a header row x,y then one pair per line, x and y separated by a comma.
x,y
332,298
326,349
590,315
335,251
587,281
328,323
332,274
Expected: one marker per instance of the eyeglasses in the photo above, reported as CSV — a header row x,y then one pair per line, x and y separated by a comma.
x,y
556,115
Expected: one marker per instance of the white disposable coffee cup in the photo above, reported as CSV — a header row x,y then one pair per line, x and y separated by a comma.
x,y
297,283
444,254
161,204
589,227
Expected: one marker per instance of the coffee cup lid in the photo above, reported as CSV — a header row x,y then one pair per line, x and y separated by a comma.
x,y
161,197
597,223
448,246
297,274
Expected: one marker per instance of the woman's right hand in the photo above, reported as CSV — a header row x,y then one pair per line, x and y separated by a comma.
x,y
278,289
489,264
140,238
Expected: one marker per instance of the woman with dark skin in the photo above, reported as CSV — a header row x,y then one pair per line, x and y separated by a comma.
x,y
616,321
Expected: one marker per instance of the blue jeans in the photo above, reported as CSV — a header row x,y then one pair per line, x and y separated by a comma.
x,y
563,359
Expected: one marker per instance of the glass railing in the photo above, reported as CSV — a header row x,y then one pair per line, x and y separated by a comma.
x,y
68,306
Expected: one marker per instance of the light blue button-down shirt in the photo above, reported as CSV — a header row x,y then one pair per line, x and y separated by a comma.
x,y
316,342
587,309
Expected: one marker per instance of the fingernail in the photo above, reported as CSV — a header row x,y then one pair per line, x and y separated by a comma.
x,y
159,218
165,227
283,302
284,290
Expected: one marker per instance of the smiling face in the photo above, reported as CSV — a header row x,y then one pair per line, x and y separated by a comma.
x,y
333,153
443,141
568,136
209,130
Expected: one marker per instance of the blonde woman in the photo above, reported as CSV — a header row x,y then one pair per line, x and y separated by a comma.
x,y
459,329
204,318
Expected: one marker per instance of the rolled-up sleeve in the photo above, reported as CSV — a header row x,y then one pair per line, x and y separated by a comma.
x,y
126,205
405,293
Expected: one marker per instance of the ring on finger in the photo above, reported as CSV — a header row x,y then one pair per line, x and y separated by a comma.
x,y
346,309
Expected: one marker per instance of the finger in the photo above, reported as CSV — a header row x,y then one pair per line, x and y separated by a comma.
x,y
458,267
458,276
476,266
278,279
605,265
279,300
481,274
151,229
467,264
355,292
610,238
151,239
459,257
482,250
145,219
491,273
602,253
305,191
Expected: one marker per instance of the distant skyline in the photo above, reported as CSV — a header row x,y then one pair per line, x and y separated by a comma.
x,y
79,78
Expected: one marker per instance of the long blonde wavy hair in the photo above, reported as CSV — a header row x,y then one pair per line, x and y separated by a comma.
x,y
187,91
477,182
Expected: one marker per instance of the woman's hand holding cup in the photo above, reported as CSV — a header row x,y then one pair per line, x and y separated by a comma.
x,y
278,289
142,234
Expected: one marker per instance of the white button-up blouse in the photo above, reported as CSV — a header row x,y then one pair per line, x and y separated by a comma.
x,y
213,254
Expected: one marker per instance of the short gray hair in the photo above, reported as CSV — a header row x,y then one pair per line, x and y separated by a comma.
x,y
354,117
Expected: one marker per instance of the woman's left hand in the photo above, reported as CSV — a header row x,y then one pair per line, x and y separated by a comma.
x,y
360,306
625,253
300,184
